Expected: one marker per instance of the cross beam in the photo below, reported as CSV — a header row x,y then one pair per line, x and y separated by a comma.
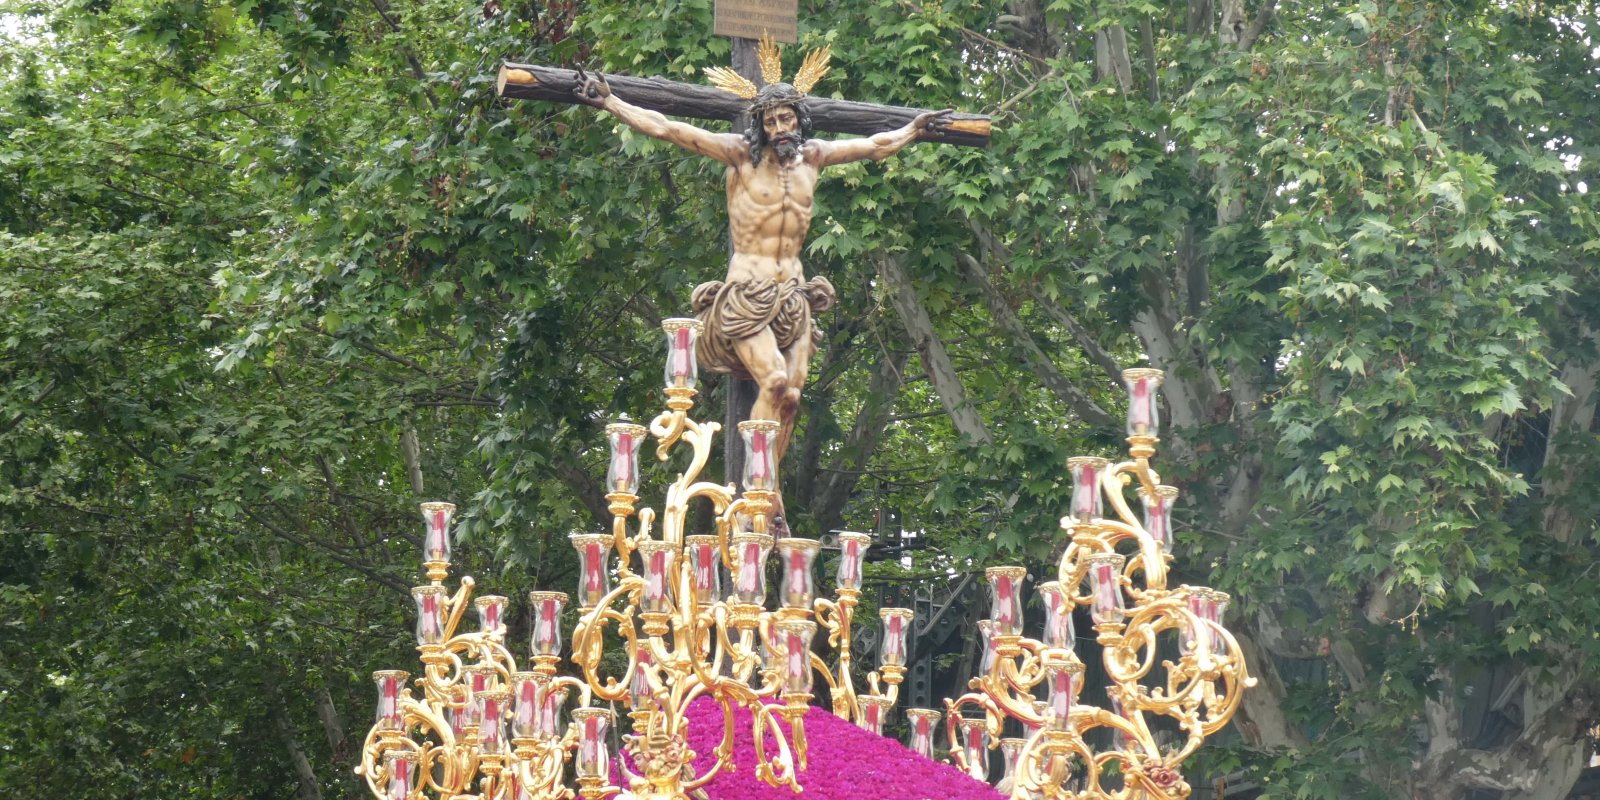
x,y
552,84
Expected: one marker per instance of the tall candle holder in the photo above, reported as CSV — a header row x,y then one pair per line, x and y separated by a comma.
x,y
474,724
1136,618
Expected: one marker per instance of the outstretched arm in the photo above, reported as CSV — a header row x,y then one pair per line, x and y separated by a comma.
x,y
879,145
725,147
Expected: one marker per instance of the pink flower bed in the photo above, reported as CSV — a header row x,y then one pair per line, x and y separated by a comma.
x,y
844,763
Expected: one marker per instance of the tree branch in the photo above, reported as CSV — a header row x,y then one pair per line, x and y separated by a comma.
x,y
935,360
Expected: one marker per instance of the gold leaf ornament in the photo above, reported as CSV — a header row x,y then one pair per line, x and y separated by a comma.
x,y
769,54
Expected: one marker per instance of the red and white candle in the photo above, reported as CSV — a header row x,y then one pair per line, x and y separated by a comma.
x,y
974,747
872,711
1105,584
1144,413
760,454
492,614
551,701
594,760
1085,471
525,689
896,631
625,439
491,721
639,682
431,602
1058,632
799,585
750,567
391,689
683,367
1158,514
436,535
852,554
1061,677
401,766
702,554
594,574
922,721
796,638
1005,599
547,607
658,559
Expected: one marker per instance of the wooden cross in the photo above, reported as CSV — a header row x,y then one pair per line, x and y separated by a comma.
x,y
674,98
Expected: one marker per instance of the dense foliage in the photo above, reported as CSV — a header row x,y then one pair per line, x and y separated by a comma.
x,y
273,270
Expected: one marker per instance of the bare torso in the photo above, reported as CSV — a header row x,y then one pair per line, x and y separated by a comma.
x,y
769,212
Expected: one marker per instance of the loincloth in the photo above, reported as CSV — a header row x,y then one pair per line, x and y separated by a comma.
x,y
736,310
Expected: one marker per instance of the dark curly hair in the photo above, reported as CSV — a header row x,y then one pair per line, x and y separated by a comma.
x,y
772,96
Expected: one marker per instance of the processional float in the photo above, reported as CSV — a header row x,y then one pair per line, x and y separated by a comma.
x,y
474,724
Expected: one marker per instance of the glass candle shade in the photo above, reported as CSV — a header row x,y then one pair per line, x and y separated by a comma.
x,y
594,760
795,637
760,456
626,439
1058,632
683,368
896,630
1114,702
491,714
1105,586
1086,486
750,567
852,554
657,559
1062,678
799,583
1198,601
990,655
552,698
479,680
525,690
1005,599
547,607
492,614
1144,414
391,689
873,710
436,539
594,574
922,722
1219,607
1009,750
1158,514
702,554
974,747
431,601
639,682
401,767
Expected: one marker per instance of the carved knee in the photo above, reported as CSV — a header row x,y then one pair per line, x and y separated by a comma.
x,y
776,386
791,401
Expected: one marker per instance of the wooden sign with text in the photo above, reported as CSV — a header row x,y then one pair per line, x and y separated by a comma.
x,y
748,19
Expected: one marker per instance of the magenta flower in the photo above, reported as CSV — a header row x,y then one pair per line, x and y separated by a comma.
x,y
844,763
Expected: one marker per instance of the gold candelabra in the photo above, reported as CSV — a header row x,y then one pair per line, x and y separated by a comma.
x,y
481,728
1198,686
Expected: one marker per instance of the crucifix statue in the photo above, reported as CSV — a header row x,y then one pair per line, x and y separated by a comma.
x,y
759,319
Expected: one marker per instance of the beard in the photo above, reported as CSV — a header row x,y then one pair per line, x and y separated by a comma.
x,y
786,146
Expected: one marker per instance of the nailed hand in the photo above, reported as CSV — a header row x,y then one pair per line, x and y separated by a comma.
x,y
932,121
592,89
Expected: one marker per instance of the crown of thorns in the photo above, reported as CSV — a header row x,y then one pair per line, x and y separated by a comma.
x,y
770,56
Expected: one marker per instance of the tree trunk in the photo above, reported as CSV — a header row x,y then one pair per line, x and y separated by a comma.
x,y
919,330
306,777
